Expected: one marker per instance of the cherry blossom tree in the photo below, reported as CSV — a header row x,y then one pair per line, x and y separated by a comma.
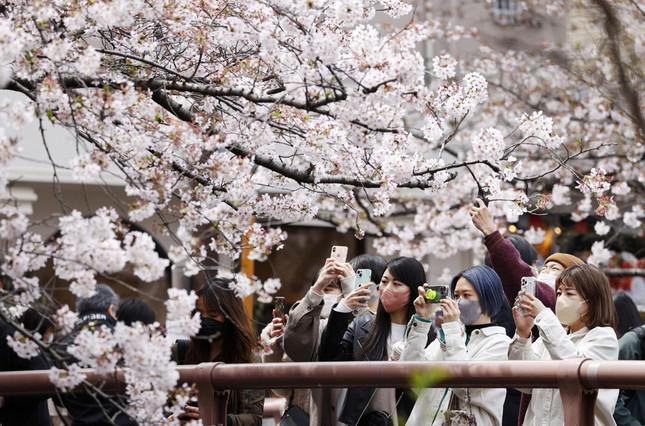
x,y
588,94
228,119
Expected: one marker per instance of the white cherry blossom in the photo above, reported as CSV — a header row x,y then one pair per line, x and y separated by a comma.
x,y
601,228
599,254
23,346
535,235
67,379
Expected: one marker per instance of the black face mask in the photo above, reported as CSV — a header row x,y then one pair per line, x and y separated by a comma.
x,y
211,329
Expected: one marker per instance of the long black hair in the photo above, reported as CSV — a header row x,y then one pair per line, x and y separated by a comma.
x,y
627,312
238,338
410,272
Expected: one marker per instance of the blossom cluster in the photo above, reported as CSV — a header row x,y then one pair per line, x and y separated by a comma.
x,y
181,318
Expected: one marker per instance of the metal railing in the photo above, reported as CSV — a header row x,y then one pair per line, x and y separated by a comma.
x,y
578,380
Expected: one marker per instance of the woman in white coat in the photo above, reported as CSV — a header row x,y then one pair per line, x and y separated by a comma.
x,y
582,327
466,333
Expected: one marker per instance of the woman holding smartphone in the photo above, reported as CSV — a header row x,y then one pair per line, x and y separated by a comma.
x,y
466,333
371,338
581,327
308,318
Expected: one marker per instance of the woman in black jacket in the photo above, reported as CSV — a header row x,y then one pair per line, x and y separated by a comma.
x,y
375,338
225,336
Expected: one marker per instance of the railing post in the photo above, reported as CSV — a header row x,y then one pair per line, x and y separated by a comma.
x,y
212,403
578,403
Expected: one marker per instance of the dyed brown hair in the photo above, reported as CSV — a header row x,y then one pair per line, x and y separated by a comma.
x,y
593,287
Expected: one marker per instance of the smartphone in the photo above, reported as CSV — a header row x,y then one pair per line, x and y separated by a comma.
x,y
527,285
363,276
339,253
278,307
434,293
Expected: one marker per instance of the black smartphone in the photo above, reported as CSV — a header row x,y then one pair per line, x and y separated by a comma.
x,y
278,307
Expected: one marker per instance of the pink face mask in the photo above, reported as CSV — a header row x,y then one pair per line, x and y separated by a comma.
x,y
394,300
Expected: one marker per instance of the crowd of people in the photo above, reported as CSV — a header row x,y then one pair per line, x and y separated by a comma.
x,y
489,312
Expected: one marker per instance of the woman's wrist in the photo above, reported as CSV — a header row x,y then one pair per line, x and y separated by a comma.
x,y
524,335
422,318
489,230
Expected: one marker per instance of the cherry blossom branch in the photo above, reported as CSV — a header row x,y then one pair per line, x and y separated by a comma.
x,y
613,30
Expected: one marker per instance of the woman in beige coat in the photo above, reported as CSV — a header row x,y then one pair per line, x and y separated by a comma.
x,y
308,318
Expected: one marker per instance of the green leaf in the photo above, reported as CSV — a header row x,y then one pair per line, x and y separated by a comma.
x,y
429,377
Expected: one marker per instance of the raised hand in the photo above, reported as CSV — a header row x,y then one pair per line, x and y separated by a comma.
x,y
482,218
358,298
277,326
424,310
523,323
529,304
327,276
450,310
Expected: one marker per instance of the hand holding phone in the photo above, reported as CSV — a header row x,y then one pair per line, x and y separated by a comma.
x,y
278,307
527,286
430,309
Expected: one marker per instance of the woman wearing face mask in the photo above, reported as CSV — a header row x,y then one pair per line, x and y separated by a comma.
x,y
308,319
371,338
467,333
225,336
514,258
325,286
582,327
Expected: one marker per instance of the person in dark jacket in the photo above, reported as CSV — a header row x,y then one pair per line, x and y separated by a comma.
x,y
225,336
85,410
375,338
628,316
24,410
630,407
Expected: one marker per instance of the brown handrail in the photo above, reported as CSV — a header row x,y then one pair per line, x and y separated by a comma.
x,y
578,380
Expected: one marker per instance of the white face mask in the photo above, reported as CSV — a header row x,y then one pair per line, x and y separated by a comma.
x,y
329,300
546,278
568,310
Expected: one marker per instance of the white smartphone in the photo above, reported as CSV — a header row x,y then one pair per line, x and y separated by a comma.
x,y
363,276
528,285
339,253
